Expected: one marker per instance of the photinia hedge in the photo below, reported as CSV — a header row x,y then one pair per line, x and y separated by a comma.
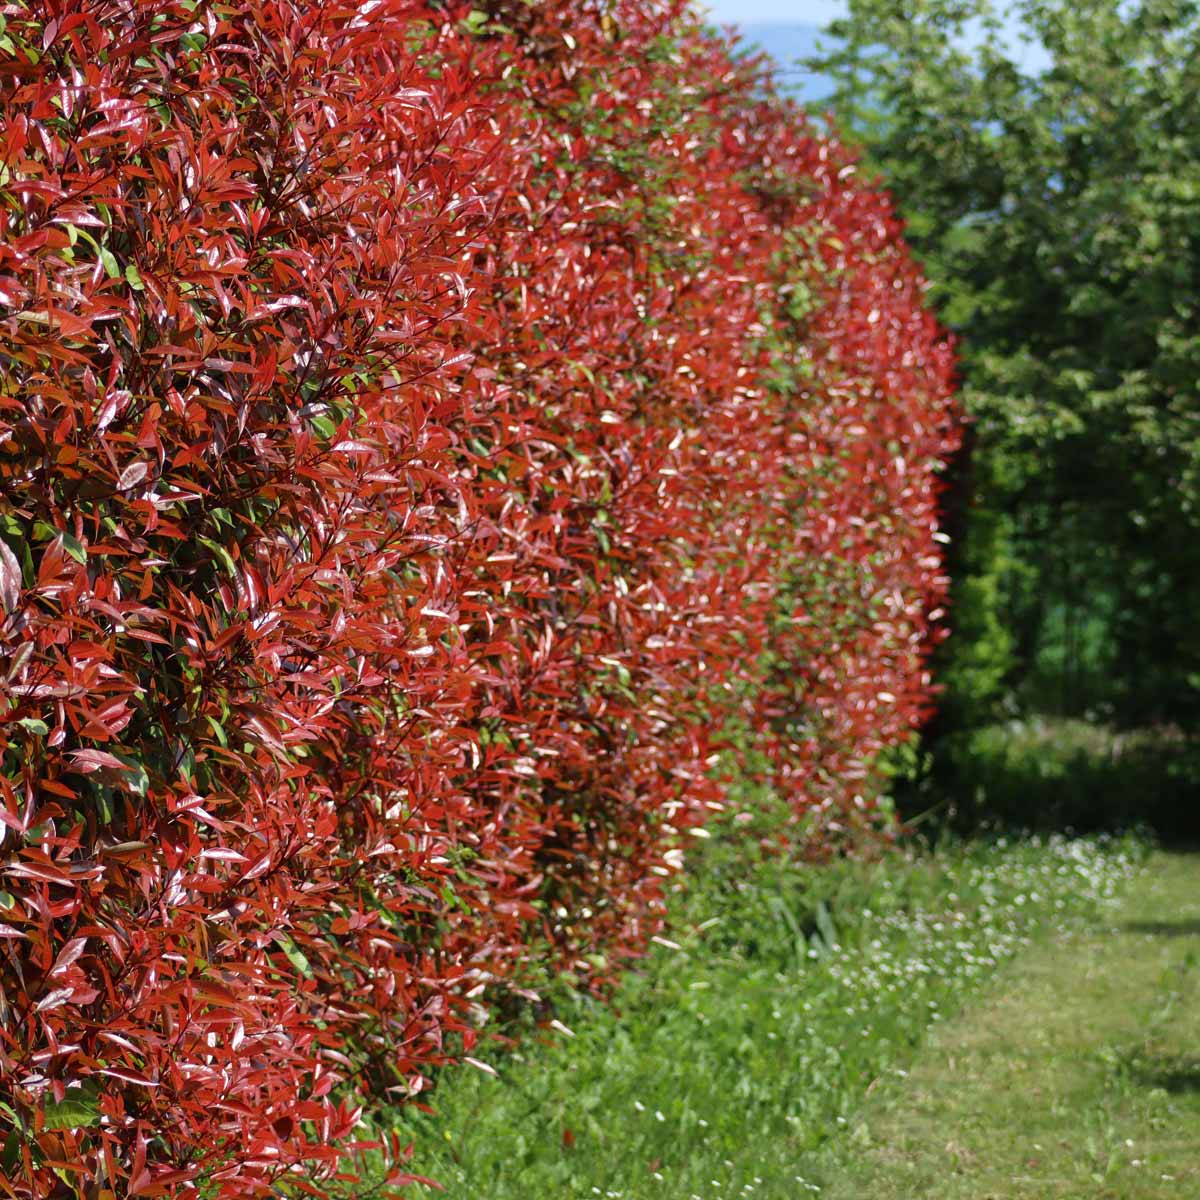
x,y
425,433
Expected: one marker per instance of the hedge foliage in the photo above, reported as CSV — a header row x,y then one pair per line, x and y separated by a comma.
x,y
424,434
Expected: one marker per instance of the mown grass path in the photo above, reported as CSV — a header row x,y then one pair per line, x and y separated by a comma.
x,y
1078,1076
736,1061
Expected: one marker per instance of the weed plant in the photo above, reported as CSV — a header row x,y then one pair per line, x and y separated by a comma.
x,y
745,1045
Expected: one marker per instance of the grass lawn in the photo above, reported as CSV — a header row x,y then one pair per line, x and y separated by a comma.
x,y
1078,1077
734,1062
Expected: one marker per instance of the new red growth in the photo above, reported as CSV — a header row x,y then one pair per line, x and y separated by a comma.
x,y
422,433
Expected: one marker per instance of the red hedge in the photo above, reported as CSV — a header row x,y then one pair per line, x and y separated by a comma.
x,y
422,433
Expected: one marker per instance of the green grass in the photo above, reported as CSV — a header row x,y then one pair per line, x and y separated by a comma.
x,y
1080,1077
732,1063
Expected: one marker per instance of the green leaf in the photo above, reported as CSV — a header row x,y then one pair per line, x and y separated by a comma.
x,y
324,426
225,557
10,525
34,725
138,780
109,262
79,1109
294,955
133,278
74,547
10,1156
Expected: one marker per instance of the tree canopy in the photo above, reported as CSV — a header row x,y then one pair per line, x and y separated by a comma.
x,y
1056,213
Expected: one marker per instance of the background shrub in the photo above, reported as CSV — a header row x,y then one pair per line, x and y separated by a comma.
x,y
1047,158
1048,774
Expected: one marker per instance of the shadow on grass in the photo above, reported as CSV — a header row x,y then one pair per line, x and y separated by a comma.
x,y
1189,927
1177,1074
1051,774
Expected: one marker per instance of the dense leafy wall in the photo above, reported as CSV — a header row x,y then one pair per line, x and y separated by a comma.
x,y
422,432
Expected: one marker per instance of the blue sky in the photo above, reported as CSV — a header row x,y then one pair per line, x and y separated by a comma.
x,y
818,12
802,12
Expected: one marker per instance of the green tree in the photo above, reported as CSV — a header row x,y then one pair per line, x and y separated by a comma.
x,y
1058,216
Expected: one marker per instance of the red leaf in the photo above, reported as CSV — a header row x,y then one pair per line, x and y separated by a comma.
x,y
10,579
